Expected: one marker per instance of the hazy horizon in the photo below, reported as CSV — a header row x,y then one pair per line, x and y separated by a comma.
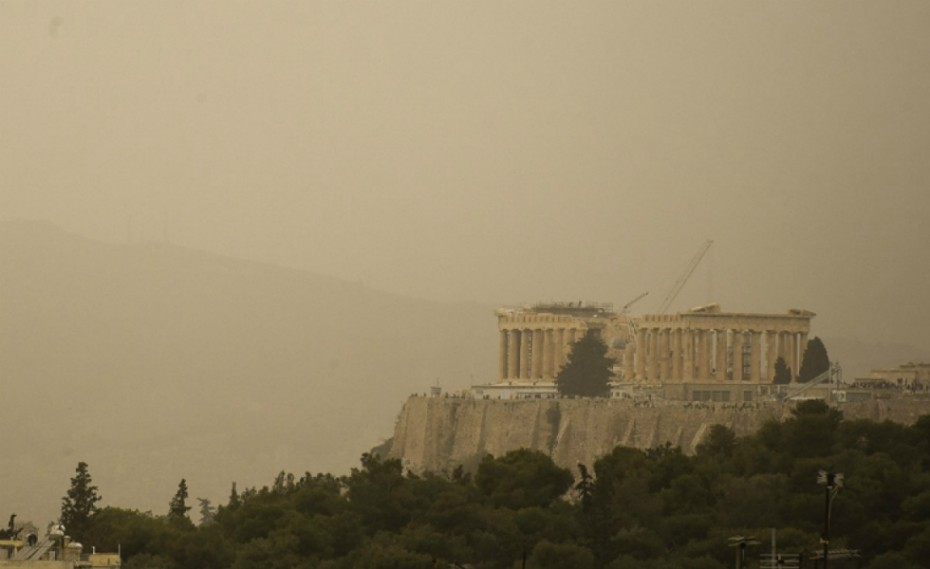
x,y
496,152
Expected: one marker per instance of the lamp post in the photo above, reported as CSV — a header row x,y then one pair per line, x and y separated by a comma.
x,y
739,543
832,482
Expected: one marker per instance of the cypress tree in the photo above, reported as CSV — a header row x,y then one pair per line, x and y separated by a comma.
x,y
815,360
782,372
178,507
80,503
588,370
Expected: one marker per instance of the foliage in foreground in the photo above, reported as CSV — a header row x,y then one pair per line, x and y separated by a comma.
x,y
653,509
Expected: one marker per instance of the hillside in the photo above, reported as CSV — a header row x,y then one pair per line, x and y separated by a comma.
x,y
153,362
437,434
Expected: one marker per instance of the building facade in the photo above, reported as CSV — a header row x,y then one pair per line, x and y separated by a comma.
x,y
691,353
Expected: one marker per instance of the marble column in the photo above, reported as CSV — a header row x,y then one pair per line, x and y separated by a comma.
x,y
502,356
721,355
662,353
790,358
802,347
537,351
687,355
703,358
654,354
628,357
513,354
559,349
549,370
525,353
675,336
783,347
793,353
737,355
755,356
770,354
640,354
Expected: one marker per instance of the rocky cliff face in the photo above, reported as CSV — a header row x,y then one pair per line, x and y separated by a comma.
x,y
437,434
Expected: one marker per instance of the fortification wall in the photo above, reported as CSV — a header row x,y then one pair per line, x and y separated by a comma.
x,y
438,434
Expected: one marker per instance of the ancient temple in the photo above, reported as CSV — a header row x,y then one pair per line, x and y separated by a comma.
x,y
701,347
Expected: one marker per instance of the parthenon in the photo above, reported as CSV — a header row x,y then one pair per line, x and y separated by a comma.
x,y
703,345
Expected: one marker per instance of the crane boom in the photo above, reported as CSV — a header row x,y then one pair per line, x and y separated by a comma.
x,y
626,307
680,283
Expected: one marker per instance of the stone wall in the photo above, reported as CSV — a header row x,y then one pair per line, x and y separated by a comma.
x,y
19,564
438,434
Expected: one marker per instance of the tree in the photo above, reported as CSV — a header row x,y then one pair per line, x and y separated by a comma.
x,y
588,370
234,500
583,487
207,512
719,443
815,360
782,372
80,503
522,478
178,507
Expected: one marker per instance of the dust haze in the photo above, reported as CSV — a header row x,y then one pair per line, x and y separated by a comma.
x,y
235,236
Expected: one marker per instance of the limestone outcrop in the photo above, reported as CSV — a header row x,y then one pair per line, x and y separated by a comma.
x,y
438,433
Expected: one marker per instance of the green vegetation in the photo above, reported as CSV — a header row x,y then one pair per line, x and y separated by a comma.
x,y
815,360
80,503
178,508
655,509
588,369
782,372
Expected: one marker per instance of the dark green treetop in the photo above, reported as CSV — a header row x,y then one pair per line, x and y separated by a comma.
x,y
815,360
588,369
178,507
80,503
782,372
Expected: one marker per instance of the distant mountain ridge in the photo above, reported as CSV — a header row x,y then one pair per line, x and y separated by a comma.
x,y
153,362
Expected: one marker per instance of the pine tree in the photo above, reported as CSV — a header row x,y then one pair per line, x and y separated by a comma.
x,y
588,370
80,503
207,512
815,360
178,507
782,372
583,487
234,500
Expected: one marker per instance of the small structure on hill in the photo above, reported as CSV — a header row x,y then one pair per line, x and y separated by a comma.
x,y
910,378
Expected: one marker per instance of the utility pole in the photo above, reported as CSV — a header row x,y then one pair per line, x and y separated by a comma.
x,y
832,482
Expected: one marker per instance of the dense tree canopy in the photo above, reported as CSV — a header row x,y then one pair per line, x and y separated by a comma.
x,y
652,509
588,370
815,360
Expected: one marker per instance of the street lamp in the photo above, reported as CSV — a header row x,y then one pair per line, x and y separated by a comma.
x,y
739,542
832,482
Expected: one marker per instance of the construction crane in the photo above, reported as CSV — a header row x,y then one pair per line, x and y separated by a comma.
x,y
680,283
626,307
631,325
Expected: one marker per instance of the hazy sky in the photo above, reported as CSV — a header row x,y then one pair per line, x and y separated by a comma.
x,y
496,151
